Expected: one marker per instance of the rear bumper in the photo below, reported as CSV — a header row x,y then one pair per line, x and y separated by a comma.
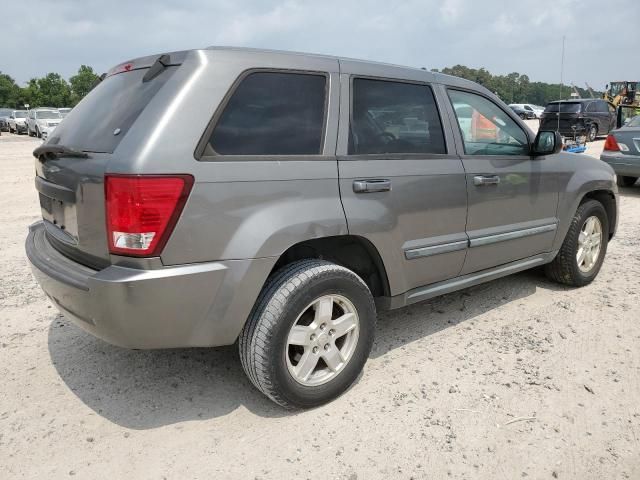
x,y
204,304
625,165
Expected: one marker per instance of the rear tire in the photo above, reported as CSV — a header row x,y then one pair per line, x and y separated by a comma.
x,y
624,181
566,268
290,304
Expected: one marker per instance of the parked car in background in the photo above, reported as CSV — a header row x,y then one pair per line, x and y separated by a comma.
x,y
594,117
64,111
529,107
18,121
4,119
291,197
622,152
41,118
522,112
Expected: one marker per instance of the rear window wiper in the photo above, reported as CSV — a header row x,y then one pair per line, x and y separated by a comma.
x,y
46,152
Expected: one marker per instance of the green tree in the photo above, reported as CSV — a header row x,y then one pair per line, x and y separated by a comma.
x,y
54,91
81,83
9,91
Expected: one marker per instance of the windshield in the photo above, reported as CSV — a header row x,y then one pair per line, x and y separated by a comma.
x,y
563,107
20,114
48,114
100,121
634,122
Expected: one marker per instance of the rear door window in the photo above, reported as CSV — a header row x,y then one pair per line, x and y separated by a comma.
x,y
100,121
273,113
394,117
489,130
563,107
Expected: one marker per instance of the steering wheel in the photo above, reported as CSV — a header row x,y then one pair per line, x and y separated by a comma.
x,y
391,137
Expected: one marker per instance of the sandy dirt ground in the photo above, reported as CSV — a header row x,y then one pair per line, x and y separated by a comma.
x,y
517,378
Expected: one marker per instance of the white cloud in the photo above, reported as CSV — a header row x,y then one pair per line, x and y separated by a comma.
x,y
523,36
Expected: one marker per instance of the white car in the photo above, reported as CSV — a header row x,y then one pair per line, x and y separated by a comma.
x,y
18,121
41,118
536,109
46,132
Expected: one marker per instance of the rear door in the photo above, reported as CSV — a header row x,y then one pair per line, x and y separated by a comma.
x,y
512,197
402,188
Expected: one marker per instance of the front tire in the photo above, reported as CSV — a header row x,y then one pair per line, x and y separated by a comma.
x,y
309,334
624,181
584,248
593,133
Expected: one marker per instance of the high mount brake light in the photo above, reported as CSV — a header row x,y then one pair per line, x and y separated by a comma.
x,y
142,210
611,144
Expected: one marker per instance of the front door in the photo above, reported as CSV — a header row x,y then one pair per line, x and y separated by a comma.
x,y
401,188
512,196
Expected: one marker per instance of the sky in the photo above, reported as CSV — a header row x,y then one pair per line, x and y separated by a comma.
x,y
503,36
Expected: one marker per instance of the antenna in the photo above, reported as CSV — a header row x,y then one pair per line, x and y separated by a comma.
x,y
561,80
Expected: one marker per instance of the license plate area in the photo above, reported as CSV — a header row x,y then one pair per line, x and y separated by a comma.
x,y
61,215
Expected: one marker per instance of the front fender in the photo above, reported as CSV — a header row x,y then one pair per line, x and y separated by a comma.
x,y
585,174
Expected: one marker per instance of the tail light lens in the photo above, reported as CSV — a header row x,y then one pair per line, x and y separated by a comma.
x,y
611,144
142,211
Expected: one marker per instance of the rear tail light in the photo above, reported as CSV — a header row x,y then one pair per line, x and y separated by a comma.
x,y
142,211
611,144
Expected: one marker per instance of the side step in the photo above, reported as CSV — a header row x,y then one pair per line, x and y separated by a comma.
x,y
458,283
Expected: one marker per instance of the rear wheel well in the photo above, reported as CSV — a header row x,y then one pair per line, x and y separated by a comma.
x,y
350,251
608,201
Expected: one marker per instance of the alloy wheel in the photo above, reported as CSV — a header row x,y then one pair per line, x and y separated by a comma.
x,y
589,244
322,340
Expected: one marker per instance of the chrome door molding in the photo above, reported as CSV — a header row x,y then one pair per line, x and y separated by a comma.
x,y
435,249
503,237
429,250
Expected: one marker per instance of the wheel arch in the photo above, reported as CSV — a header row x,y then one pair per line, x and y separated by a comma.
x,y
608,200
350,251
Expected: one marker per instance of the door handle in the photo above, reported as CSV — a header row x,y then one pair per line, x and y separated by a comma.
x,y
480,180
372,185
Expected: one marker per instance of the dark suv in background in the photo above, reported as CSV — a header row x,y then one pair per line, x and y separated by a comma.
x,y
593,117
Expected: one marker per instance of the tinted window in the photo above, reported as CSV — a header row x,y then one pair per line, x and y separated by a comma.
x,y
394,117
273,114
489,130
602,107
563,107
115,103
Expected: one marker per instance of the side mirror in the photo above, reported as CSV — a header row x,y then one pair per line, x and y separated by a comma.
x,y
546,143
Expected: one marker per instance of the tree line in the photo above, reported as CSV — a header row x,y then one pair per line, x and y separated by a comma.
x,y
52,90
516,88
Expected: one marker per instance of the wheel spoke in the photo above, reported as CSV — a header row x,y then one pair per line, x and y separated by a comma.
x,y
591,223
324,309
344,324
580,257
306,365
582,237
300,335
333,358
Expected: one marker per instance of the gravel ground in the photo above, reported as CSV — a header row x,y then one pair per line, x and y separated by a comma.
x,y
515,378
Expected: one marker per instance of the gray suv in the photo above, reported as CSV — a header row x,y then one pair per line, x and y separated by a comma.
x,y
279,200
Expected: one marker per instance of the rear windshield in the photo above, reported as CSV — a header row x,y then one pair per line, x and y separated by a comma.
x,y
101,120
564,107
47,114
634,122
